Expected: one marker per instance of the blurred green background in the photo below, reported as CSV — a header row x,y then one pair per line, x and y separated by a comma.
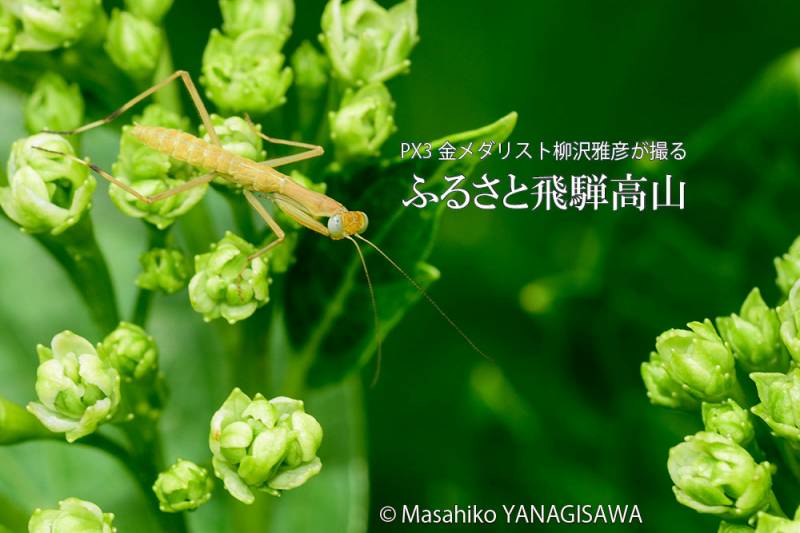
x,y
561,415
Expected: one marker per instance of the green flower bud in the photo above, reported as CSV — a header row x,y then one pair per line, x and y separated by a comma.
x,y
363,123
367,43
8,32
246,73
768,523
789,315
727,527
153,10
46,192
754,336
699,361
779,407
163,269
714,475
77,389
237,137
47,25
131,351
133,44
729,420
788,267
273,16
227,283
151,172
72,516
263,445
183,487
310,67
662,389
53,105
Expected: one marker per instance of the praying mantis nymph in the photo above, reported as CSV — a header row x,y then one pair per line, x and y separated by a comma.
x,y
304,206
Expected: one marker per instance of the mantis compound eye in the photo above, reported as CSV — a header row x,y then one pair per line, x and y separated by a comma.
x,y
336,227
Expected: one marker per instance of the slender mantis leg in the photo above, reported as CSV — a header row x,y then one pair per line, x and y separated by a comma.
x,y
313,150
190,87
263,213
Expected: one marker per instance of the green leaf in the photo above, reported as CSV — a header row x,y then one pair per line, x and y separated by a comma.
x,y
328,305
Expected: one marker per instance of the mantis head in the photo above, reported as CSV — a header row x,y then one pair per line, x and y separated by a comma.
x,y
347,223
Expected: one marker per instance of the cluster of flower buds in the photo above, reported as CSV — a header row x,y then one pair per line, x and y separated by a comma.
x,y
264,445
227,283
134,44
78,389
151,172
53,105
754,336
131,351
184,486
46,192
243,67
690,366
38,26
714,471
72,516
714,475
363,122
163,269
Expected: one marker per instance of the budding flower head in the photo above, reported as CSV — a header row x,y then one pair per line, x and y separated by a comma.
x,y
754,336
163,269
245,73
48,25
367,43
310,67
72,516
227,283
151,172
275,17
662,389
77,388
729,420
768,523
130,350
153,10
779,407
133,44
46,192
699,361
184,486
8,31
714,475
787,267
789,314
53,105
263,445
363,122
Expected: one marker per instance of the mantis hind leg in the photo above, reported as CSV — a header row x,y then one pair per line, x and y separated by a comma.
x,y
312,150
190,87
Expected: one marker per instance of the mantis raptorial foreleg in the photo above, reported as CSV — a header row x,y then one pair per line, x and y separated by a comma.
x,y
263,213
312,150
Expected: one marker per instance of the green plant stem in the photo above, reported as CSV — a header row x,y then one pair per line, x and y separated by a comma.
x,y
77,251
148,459
169,97
144,298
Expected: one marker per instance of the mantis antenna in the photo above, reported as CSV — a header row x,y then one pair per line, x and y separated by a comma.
x,y
424,293
378,349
